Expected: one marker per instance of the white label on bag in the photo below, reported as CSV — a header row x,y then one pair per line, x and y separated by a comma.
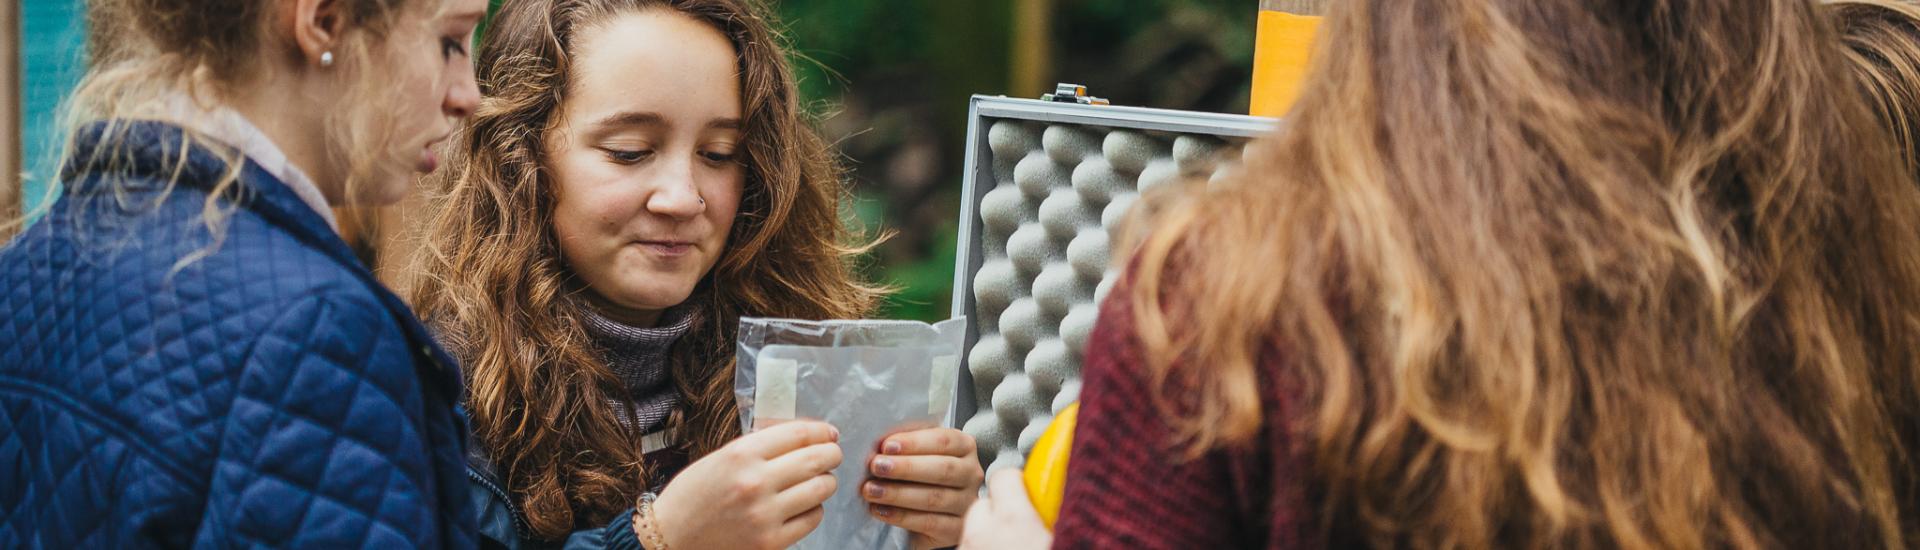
x,y
774,388
946,373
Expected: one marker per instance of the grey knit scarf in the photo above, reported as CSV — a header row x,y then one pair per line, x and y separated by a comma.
x,y
639,357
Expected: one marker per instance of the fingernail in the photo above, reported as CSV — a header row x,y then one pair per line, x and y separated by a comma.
x,y
882,511
882,466
892,448
875,490
835,432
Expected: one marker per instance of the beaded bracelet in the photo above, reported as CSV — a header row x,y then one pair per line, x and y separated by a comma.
x,y
648,528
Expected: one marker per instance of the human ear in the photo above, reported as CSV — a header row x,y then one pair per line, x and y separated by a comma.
x,y
315,26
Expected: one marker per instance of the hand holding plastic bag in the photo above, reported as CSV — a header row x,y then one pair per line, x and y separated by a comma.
x,y
762,491
924,483
869,379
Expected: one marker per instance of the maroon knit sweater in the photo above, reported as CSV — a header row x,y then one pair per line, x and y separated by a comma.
x,y
1128,487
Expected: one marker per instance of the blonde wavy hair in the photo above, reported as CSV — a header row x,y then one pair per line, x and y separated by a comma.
x,y
1563,274
490,277
144,53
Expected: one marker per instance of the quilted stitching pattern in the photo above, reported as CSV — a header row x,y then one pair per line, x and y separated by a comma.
x,y
268,394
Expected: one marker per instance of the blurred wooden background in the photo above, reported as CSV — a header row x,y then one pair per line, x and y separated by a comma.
x,y
1302,7
10,151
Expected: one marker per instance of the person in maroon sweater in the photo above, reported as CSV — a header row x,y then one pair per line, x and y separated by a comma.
x,y
1249,497
1519,274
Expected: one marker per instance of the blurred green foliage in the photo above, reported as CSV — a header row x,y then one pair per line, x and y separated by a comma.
x,y
906,56
890,80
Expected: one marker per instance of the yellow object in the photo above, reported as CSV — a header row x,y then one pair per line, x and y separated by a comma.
x,y
1280,56
1046,471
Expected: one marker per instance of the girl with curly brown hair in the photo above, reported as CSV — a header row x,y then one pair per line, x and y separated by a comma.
x,y
638,177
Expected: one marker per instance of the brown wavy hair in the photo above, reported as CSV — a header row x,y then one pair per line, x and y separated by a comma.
x,y
491,279
1883,48
1561,274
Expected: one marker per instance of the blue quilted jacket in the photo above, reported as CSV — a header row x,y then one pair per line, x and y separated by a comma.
x,y
160,387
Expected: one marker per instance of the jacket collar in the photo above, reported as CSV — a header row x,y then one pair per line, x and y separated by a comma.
x,y
150,154
228,127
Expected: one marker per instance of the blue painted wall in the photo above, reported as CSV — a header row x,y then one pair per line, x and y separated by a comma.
x,y
52,50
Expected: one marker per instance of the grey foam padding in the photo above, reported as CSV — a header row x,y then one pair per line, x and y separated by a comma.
x,y
1045,233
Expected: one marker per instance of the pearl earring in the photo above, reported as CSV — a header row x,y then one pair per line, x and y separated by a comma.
x,y
326,58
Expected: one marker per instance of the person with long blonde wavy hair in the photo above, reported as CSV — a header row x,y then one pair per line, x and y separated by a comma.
x,y
1520,274
191,355
640,176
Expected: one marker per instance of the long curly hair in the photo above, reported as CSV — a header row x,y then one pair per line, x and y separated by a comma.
x,y
490,278
1561,274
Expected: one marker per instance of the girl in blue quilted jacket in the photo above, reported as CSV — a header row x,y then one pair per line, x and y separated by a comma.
x,y
638,178
189,353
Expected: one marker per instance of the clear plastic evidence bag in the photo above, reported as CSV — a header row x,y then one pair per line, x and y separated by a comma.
x,y
869,379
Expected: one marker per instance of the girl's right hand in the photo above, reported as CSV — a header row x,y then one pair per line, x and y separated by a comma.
x,y
763,490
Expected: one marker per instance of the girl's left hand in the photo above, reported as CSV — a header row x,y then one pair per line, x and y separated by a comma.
x,y
923,481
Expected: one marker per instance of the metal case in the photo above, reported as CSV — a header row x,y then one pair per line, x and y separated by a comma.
x,y
1045,183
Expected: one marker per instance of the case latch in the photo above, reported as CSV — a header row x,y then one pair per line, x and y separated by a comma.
x,y
1073,93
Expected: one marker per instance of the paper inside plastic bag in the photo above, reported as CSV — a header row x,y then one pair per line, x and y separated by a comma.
x,y
870,379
